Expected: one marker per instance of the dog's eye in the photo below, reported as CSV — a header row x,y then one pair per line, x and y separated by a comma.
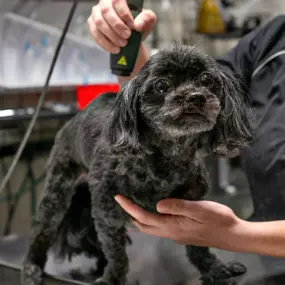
x,y
161,86
206,79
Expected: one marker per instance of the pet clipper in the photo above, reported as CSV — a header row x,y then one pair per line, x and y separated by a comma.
x,y
122,64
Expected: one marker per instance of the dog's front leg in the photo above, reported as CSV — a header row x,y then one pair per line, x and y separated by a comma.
x,y
109,222
213,270
113,241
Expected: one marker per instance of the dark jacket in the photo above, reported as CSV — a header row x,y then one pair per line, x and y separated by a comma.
x,y
259,60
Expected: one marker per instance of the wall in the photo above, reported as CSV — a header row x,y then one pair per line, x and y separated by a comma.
x,y
22,219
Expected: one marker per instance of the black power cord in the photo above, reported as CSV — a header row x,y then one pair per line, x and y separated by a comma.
x,y
41,99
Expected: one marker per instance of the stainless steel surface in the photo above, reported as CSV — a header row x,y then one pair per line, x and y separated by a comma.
x,y
153,261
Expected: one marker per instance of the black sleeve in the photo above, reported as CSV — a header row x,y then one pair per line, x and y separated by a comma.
x,y
253,48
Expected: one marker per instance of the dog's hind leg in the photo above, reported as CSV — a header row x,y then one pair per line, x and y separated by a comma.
x,y
213,270
62,174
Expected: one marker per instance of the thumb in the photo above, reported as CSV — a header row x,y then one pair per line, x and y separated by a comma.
x,y
174,207
199,211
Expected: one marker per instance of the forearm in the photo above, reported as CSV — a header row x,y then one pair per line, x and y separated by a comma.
x,y
265,238
141,60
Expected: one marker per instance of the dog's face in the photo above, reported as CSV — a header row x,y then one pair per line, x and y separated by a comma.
x,y
181,92
181,95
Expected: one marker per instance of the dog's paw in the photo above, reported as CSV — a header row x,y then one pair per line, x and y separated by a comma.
x,y
31,275
222,274
236,268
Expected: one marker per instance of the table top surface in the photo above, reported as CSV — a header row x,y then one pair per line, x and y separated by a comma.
x,y
152,261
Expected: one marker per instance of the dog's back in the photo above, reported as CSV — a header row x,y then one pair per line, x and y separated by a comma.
x,y
80,135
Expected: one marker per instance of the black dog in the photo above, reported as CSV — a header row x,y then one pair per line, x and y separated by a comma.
x,y
142,144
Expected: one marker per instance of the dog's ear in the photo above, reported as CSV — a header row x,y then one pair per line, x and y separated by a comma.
x,y
234,127
121,130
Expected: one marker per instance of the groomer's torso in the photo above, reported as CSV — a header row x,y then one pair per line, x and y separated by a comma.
x,y
260,58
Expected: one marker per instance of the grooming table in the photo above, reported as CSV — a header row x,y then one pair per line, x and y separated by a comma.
x,y
153,261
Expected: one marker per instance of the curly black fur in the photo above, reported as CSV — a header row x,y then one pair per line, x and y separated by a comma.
x,y
77,234
142,144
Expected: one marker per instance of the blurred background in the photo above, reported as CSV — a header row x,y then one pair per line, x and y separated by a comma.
x,y
29,32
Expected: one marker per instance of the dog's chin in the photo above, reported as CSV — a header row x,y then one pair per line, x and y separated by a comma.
x,y
177,123
187,130
186,126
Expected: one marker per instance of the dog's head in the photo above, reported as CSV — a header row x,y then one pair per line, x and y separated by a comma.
x,y
181,92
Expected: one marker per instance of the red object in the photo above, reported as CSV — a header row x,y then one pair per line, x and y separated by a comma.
x,y
85,94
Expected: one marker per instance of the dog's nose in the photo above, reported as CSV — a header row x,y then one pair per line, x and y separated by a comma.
x,y
199,100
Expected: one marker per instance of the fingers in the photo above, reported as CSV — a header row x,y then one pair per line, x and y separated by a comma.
x,y
103,26
123,11
200,211
171,231
101,39
139,214
174,207
181,207
108,29
149,230
111,22
109,13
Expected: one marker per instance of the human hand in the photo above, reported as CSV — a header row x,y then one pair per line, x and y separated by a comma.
x,y
201,223
111,21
